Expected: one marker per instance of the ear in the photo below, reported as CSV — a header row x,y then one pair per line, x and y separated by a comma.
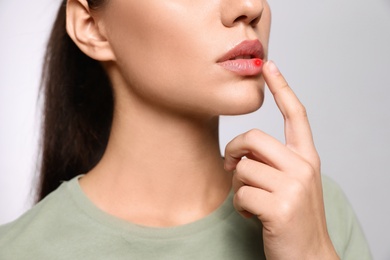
x,y
84,30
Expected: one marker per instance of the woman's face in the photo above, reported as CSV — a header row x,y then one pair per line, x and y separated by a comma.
x,y
169,53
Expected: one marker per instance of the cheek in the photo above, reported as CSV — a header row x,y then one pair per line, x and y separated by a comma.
x,y
153,33
158,45
164,56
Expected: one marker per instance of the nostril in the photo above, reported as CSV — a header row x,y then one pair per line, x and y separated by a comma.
x,y
240,18
246,12
244,18
255,21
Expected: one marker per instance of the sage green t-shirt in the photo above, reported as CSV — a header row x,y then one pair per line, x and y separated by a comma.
x,y
66,225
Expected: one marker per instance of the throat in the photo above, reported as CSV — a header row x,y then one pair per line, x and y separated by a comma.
x,y
166,203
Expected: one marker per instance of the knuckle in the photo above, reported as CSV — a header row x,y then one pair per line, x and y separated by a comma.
x,y
282,86
285,212
296,188
285,87
240,194
251,136
297,110
288,204
307,173
282,89
307,169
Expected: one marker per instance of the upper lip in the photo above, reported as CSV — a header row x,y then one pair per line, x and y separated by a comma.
x,y
252,48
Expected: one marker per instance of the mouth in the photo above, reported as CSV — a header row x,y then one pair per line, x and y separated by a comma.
x,y
245,59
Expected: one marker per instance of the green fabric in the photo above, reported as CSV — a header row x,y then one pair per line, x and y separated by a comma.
x,y
66,225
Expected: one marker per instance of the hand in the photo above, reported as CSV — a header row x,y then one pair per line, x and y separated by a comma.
x,y
281,183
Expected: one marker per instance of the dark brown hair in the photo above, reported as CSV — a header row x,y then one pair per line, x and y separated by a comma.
x,y
78,109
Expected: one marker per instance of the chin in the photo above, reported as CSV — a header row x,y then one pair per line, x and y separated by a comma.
x,y
243,109
244,105
246,100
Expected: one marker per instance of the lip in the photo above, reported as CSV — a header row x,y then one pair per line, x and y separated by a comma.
x,y
245,59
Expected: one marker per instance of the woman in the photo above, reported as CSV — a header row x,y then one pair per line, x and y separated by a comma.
x,y
133,93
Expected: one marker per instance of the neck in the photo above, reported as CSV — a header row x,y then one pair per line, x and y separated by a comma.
x,y
159,169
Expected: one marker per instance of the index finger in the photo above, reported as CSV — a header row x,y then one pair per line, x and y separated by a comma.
x,y
297,128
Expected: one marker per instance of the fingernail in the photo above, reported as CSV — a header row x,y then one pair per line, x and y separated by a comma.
x,y
272,67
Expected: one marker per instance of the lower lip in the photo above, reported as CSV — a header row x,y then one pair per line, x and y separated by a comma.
x,y
243,67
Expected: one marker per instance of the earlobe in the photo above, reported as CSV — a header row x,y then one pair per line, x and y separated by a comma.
x,y
84,30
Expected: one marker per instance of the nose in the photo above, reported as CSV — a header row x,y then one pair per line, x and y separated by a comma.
x,y
234,12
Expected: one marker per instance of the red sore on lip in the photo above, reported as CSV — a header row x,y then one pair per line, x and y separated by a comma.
x,y
257,62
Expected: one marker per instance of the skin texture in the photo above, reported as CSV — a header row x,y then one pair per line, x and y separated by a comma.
x,y
162,166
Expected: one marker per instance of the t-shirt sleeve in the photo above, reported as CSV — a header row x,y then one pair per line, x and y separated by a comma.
x,y
343,226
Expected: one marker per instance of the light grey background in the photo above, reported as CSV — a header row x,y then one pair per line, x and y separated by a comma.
x,y
334,53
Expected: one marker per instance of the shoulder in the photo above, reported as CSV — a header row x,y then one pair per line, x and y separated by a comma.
x,y
32,227
33,215
343,226
44,230
61,226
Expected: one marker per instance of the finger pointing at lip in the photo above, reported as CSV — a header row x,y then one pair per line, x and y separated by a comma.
x,y
298,135
297,129
280,183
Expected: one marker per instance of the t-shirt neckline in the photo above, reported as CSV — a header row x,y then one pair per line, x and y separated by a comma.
x,y
84,204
